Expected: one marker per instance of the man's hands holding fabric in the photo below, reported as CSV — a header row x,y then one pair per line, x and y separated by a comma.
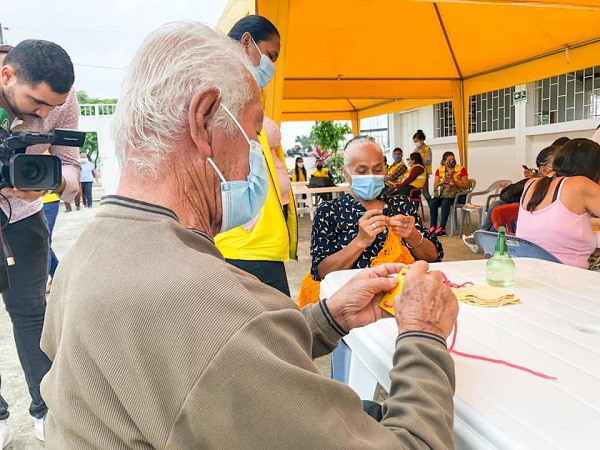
x,y
426,303
370,225
357,302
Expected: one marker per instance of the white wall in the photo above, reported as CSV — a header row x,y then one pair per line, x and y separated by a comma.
x,y
492,155
109,168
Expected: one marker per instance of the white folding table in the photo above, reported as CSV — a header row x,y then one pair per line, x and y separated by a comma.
x,y
555,330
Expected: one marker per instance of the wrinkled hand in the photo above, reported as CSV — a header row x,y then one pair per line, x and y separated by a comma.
x,y
357,302
426,303
370,225
403,225
28,196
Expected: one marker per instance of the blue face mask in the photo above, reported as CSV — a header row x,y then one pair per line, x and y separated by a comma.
x,y
241,201
451,164
396,158
263,73
367,187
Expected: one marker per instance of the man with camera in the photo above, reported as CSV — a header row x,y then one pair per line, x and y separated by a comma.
x,y
36,79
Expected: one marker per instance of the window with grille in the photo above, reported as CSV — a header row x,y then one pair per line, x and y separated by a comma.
x,y
490,111
568,97
444,119
377,128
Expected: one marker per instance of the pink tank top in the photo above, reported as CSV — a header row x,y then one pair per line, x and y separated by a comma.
x,y
566,235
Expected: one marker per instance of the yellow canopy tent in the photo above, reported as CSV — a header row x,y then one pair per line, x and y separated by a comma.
x,y
354,59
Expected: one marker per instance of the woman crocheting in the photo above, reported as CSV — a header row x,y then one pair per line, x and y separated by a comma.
x,y
363,228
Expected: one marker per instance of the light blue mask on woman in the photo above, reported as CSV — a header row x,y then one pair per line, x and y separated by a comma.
x,y
263,73
242,200
367,187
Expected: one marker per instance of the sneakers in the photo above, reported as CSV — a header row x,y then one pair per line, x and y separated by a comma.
x,y
5,435
470,242
439,231
40,429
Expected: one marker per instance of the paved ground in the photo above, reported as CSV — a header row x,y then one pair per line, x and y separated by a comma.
x,y
68,226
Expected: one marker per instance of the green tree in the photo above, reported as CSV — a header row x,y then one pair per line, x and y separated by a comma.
x,y
305,141
329,135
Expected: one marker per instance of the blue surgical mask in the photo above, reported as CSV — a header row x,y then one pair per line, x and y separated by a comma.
x,y
396,158
367,187
451,164
263,73
242,200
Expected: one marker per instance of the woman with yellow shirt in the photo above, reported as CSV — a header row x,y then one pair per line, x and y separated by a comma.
x,y
272,239
425,151
298,173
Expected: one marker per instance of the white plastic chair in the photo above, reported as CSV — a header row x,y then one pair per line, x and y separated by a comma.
x,y
459,201
493,190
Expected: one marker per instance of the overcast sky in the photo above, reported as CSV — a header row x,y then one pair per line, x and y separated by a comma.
x,y
102,36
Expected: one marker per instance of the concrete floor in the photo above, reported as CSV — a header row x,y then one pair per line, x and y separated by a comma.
x,y
66,231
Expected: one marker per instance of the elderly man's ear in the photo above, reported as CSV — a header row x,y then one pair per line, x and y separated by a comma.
x,y
201,115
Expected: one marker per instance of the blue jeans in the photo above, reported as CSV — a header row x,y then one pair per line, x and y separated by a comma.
x,y
25,303
50,212
487,223
434,204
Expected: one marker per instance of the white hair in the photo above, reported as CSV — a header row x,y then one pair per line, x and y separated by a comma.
x,y
352,147
175,62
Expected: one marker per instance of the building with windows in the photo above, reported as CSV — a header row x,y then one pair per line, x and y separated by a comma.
x,y
507,127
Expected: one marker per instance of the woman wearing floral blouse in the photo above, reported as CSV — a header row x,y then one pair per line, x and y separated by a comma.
x,y
364,228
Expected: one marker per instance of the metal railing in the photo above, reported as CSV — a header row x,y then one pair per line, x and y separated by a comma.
x,y
101,109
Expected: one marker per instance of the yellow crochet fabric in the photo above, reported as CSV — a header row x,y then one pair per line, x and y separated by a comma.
x,y
485,295
393,251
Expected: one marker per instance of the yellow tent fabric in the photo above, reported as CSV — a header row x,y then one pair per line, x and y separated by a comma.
x,y
354,59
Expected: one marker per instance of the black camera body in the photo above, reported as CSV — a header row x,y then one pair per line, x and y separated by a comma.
x,y
33,172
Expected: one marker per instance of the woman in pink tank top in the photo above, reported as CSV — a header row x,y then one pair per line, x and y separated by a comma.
x,y
555,211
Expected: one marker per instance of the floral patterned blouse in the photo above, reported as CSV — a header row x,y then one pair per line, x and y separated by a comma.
x,y
336,224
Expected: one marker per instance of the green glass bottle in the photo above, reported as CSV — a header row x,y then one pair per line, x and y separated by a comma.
x,y
500,269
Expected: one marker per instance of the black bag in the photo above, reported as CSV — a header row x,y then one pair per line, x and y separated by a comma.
x,y
512,193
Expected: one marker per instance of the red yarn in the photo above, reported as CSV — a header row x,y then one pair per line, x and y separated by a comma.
x,y
483,358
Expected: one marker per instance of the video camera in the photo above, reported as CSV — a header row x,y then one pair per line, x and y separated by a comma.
x,y
33,172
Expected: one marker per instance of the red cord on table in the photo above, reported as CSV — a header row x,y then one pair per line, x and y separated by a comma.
x,y
483,358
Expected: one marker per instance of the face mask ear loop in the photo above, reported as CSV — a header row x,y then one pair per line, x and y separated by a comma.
x,y
212,163
236,122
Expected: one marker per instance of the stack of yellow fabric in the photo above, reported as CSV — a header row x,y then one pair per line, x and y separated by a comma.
x,y
485,295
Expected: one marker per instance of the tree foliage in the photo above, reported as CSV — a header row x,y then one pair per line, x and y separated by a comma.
x,y
329,135
305,141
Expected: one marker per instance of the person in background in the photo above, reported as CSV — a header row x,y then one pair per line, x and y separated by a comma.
x,y
513,192
77,200
365,228
450,180
274,237
415,178
36,92
51,208
596,136
321,171
396,171
298,173
173,348
555,211
425,151
88,176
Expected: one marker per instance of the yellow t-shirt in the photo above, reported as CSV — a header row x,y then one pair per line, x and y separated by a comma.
x,y
323,173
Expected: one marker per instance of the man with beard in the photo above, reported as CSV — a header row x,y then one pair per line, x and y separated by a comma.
x,y
36,78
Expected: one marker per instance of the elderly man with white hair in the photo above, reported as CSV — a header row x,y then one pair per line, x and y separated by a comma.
x,y
171,347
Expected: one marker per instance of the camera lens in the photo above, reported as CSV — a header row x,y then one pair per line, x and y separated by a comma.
x,y
33,172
